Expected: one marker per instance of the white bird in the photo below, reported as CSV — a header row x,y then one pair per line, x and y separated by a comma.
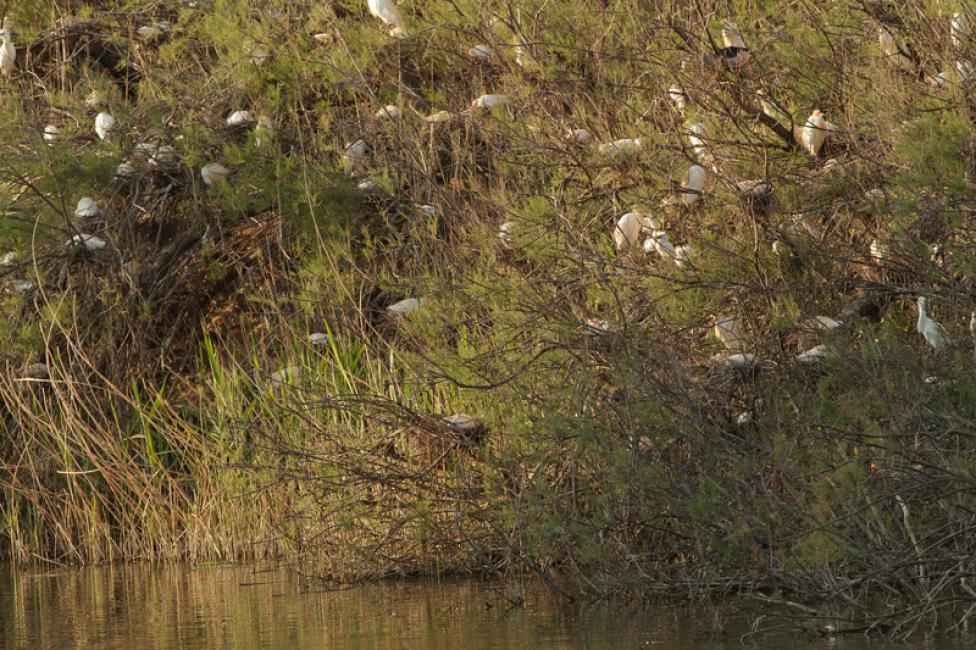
x,y
104,123
692,185
87,208
737,360
661,244
355,155
481,52
240,118
579,136
682,255
937,80
678,96
933,331
824,323
51,132
389,112
385,10
506,230
815,354
367,185
213,172
89,242
752,188
429,210
404,306
697,135
490,101
21,286
959,29
726,330
814,132
972,322
744,418
732,36
318,338
439,117
150,31
621,146
8,53
627,230
893,51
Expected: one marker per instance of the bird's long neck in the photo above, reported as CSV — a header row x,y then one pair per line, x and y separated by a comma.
x,y
922,316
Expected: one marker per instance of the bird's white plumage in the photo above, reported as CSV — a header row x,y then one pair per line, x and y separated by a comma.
x,y
490,101
404,306
389,112
933,331
693,184
385,10
88,242
240,118
678,96
893,51
732,35
104,123
51,132
959,29
814,132
213,173
87,208
8,52
621,146
627,230
355,155
579,136
815,354
481,52
697,135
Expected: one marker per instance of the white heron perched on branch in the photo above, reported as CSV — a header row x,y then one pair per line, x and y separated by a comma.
x,y
814,132
933,331
692,185
104,123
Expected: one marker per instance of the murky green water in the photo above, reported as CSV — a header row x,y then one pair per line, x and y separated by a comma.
x,y
179,607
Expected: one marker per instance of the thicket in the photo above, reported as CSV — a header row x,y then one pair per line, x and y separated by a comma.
x,y
204,370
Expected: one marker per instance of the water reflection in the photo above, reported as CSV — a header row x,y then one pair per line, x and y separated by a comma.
x,y
137,606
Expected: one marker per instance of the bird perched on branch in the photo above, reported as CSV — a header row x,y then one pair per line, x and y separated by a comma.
x,y
933,331
692,185
814,132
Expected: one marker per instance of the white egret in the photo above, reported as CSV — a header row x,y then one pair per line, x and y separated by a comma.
x,y
972,322
752,189
506,231
385,10
893,51
51,132
744,418
627,230
429,210
367,185
678,96
323,37
318,338
933,331
464,425
682,255
815,354
692,185
389,112
104,123
660,244
621,146
959,29
21,286
88,242
579,136
8,53
355,156
814,132
726,330
489,102
732,36
481,52
737,360
87,208
824,323
404,306
439,117
697,135
150,32
212,173
240,118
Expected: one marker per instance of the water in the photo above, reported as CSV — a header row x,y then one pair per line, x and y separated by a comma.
x,y
142,607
